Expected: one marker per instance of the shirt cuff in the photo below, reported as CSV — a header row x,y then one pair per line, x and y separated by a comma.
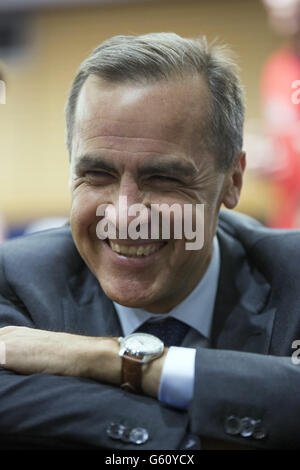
x,y
178,376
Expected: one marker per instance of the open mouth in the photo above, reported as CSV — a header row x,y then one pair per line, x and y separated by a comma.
x,y
137,251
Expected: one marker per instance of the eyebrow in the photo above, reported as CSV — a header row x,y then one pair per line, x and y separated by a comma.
x,y
89,162
172,167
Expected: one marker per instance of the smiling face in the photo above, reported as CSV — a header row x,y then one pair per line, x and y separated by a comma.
x,y
145,142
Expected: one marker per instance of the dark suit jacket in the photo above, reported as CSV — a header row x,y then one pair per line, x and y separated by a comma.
x,y
247,371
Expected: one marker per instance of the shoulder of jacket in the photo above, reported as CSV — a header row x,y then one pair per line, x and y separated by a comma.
x,y
42,249
263,244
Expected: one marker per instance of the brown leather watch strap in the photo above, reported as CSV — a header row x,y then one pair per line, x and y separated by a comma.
x,y
131,373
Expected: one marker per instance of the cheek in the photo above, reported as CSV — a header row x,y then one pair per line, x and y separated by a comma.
x,y
83,210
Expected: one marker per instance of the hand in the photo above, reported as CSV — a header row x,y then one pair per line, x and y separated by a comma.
x,y
33,351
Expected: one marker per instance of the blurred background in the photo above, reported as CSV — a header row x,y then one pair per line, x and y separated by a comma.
x,y
42,43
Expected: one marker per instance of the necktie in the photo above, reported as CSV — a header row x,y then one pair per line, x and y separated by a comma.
x,y
170,330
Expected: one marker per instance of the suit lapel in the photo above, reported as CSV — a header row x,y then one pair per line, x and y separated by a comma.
x,y
242,320
87,310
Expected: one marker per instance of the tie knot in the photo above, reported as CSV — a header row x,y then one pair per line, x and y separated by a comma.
x,y
170,330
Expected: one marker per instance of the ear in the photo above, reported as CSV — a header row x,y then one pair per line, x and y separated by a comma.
x,y
234,184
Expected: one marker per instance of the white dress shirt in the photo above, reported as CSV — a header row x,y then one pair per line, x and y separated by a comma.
x,y
196,310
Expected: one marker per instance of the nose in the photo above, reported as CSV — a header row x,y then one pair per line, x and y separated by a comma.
x,y
130,190
129,204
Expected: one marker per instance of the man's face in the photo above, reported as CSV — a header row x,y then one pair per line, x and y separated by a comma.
x,y
145,142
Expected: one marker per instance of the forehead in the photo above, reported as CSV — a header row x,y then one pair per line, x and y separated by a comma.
x,y
139,116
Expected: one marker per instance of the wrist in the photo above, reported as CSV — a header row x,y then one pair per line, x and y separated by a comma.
x,y
151,375
101,360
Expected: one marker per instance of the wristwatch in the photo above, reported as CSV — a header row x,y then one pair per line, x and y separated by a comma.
x,y
137,349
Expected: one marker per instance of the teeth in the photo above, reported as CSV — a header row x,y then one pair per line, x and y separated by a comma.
x,y
143,250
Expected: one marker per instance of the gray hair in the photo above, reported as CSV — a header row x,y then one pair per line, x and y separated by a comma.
x,y
162,56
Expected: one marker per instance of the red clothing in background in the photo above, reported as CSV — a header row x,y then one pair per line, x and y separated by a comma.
x,y
282,123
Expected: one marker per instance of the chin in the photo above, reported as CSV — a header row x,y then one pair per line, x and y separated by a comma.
x,y
133,296
129,301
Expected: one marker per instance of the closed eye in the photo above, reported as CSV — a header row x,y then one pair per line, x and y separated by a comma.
x,y
163,178
95,173
98,176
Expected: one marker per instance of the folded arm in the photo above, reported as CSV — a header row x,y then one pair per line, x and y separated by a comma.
x,y
34,351
244,399
43,404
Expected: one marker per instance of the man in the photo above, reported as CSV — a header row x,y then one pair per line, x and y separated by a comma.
x,y
155,119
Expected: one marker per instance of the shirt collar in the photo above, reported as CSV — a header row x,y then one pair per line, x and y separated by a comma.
x,y
196,310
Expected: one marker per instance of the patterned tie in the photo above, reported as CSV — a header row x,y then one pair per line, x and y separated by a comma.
x,y
170,330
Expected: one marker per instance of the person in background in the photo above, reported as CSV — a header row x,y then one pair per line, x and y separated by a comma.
x,y
281,112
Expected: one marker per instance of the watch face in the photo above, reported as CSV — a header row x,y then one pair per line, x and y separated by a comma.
x,y
143,343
